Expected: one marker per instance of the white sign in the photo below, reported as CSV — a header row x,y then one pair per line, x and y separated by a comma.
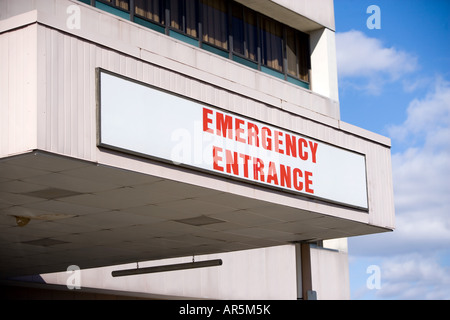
x,y
151,122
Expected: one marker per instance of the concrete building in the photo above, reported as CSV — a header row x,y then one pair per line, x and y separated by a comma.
x,y
141,133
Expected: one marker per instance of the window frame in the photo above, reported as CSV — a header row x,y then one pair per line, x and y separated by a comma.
x,y
184,20
302,39
245,58
157,23
114,5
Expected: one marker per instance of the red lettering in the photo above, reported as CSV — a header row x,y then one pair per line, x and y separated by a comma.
x,y
231,161
217,158
266,140
285,176
239,130
297,184
278,141
272,176
253,132
302,143
291,178
246,159
207,120
308,182
224,125
258,169
313,146
229,127
291,145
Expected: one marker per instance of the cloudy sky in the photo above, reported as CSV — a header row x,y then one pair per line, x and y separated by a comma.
x,y
396,81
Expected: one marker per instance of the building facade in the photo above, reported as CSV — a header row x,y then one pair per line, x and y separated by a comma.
x,y
139,133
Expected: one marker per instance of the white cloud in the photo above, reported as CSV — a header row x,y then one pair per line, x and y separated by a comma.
x,y
429,117
422,171
369,63
421,174
414,276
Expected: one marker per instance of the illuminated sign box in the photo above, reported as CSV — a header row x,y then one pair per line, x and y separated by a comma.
x,y
150,122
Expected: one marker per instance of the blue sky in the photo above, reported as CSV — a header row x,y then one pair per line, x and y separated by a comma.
x,y
395,81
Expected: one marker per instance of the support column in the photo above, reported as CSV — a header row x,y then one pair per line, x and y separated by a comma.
x,y
304,274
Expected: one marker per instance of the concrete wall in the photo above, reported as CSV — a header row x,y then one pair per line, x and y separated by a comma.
x,y
315,14
18,90
260,274
320,11
324,76
330,274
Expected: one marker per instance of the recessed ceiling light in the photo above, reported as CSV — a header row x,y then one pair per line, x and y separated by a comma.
x,y
45,242
52,193
200,221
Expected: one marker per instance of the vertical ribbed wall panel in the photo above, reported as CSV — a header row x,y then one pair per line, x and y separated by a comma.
x,y
380,185
5,112
67,106
18,91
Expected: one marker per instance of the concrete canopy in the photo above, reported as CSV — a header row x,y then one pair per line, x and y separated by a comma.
x,y
57,211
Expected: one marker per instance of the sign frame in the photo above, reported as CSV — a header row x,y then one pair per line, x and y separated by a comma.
x,y
130,151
